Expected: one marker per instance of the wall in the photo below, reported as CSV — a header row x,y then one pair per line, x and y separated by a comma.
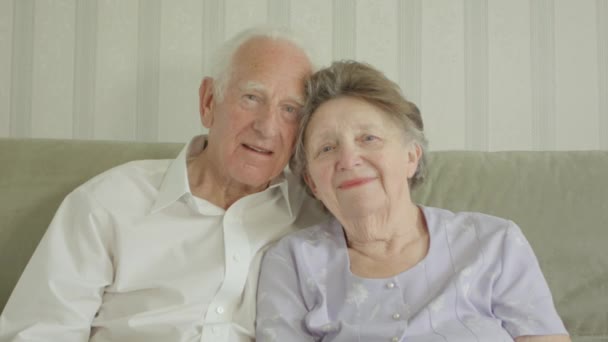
x,y
487,75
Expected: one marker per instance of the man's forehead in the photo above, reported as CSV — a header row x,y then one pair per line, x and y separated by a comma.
x,y
263,54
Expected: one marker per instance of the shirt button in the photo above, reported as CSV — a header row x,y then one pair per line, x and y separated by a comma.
x,y
220,310
390,285
215,330
395,339
236,257
396,316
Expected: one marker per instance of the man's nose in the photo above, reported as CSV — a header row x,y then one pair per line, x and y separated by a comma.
x,y
265,122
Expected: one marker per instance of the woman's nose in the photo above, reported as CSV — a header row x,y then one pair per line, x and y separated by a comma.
x,y
348,158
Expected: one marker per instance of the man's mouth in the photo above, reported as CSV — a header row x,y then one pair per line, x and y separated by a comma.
x,y
257,149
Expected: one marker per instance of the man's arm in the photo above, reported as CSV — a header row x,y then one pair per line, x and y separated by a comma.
x,y
62,286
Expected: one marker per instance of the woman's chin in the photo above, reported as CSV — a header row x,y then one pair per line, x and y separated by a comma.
x,y
358,211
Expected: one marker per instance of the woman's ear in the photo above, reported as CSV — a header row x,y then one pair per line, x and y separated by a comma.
x,y
414,153
310,183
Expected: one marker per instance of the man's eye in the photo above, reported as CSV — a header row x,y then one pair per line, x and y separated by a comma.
x,y
292,111
251,97
369,137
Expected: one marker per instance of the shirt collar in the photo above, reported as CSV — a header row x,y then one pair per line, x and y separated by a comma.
x,y
175,183
281,182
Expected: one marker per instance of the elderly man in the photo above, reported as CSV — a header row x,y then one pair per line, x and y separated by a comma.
x,y
170,250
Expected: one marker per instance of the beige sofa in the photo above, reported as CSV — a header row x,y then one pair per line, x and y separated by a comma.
x,y
560,200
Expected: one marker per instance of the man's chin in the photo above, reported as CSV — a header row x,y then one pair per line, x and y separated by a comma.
x,y
255,180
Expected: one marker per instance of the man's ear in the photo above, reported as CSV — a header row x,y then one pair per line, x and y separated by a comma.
x,y
206,101
414,154
310,183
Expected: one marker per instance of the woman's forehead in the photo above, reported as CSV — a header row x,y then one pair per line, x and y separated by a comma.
x,y
331,125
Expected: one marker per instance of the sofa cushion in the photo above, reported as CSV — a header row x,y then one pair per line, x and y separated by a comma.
x,y
559,199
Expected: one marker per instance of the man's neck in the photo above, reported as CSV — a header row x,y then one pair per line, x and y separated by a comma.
x,y
208,182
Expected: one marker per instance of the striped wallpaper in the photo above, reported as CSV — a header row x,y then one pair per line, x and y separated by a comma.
x,y
487,74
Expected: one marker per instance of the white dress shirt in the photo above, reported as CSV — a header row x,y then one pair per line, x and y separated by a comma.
x,y
132,256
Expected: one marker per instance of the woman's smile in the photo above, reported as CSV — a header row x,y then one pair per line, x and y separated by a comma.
x,y
355,182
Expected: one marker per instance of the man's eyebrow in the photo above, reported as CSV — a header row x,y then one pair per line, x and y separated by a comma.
x,y
253,85
297,99
257,86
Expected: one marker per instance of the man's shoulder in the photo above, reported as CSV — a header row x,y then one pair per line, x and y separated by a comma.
x,y
134,171
126,180
308,210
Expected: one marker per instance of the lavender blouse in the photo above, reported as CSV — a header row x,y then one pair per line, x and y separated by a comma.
x,y
480,281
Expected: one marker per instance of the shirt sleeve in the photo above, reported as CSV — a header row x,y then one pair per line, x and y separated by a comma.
x,y
521,297
281,309
61,288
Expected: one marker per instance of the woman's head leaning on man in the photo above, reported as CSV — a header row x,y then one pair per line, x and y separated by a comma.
x,y
383,268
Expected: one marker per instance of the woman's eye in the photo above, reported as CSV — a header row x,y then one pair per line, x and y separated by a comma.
x,y
251,97
369,138
325,149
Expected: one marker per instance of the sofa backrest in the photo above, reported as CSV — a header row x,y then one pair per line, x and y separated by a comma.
x,y
559,199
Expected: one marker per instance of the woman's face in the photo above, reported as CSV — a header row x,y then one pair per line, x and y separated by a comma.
x,y
358,159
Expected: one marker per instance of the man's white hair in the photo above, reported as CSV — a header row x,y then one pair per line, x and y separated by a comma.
x,y
222,61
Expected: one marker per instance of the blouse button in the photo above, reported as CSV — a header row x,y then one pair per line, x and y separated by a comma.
x,y
390,285
396,316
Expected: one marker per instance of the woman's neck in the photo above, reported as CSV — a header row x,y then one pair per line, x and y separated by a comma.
x,y
384,244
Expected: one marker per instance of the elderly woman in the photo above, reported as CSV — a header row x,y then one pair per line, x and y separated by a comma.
x,y
384,268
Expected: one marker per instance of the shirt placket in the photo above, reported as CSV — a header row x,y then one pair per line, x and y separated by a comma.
x,y
237,257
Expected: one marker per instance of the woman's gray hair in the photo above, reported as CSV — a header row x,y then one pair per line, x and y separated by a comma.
x,y
361,81
221,64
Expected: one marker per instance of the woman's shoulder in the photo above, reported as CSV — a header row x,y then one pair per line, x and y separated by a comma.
x,y
317,240
475,235
483,224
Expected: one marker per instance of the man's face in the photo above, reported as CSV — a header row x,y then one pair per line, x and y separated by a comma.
x,y
252,129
